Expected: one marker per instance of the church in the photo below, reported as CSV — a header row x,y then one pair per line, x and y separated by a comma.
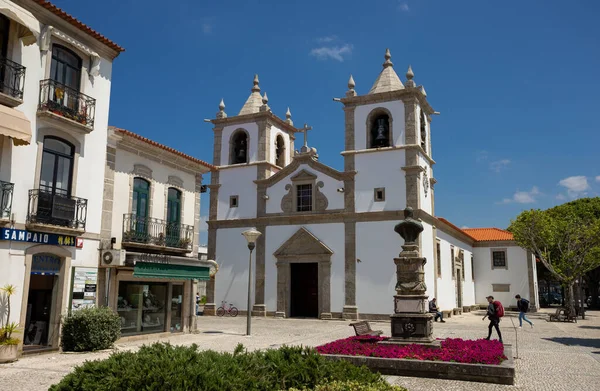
x,y
328,241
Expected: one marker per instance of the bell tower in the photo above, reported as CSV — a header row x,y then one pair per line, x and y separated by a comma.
x,y
388,144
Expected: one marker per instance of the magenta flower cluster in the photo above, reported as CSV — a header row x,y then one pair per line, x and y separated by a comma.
x,y
479,351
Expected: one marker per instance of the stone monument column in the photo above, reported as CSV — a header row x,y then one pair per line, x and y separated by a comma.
x,y
411,321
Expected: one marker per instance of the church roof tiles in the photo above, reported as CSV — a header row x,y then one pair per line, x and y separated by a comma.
x,y
489,234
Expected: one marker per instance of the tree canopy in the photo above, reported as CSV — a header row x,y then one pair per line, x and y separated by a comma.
x,y
565,238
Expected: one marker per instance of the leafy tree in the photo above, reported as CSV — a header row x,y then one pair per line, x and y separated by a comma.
x,y
566,239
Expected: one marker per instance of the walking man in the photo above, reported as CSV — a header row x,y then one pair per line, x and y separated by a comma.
x,y
523,306
433,308
494,314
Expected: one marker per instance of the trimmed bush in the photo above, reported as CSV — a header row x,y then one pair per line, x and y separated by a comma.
x,y
354,386
165,367
90,329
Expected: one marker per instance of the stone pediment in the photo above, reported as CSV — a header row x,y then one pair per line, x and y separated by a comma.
x,y
302,243
304,175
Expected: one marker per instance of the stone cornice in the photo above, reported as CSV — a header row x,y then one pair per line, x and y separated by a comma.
x,y
390,96
496,243
312,163
393,148
254,117
257,163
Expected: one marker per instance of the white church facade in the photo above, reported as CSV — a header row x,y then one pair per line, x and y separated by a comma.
x,y
328,241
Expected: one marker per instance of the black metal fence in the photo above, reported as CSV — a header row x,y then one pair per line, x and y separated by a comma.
x,y
48,206
148,230
67,102
6,197
12,78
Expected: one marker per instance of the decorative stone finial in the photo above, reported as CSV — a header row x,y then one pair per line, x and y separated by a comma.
x,y
388,59
265,101
265,98
351,85
255,88
288,117
409,228
423,91
221,113
409,77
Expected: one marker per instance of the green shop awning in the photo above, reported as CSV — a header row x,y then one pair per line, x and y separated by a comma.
x,y
165,270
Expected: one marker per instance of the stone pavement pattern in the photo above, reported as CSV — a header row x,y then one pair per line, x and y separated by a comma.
x,y
552,356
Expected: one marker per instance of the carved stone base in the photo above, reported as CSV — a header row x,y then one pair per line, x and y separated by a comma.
x,y
416,304
279,314
326,316
350,312
210,309
259,310
412,328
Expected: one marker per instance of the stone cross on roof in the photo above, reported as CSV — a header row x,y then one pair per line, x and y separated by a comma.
x,y
305,129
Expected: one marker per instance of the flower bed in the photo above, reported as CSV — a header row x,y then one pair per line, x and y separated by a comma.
x,y
479,351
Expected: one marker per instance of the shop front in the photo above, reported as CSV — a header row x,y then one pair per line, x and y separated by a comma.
x,y
153,297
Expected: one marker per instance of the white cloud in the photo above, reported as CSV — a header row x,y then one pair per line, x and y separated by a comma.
x,y
327,39
481,156
403,6
332,52
561,197
499,165
576,185
523,197
598,178
464,227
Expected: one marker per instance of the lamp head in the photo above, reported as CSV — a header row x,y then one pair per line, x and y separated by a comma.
x,y
251,235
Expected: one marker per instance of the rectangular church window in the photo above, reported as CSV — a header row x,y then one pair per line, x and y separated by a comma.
x,y
472,269
498,259
233,201
379,194
452,262
304,198
439,259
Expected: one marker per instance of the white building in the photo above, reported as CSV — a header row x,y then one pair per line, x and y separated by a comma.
x,y
328,240
55,80
151,219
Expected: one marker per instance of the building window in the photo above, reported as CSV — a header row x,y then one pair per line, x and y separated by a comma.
x,y
380,131
57,167
472,269
304,198
279,151
173,217
452,262
462,271
141,198
423,132
239,147
233,201
65,67
438,249
4,28
499,259
379,194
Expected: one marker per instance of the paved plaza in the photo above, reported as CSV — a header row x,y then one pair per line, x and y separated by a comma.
x,y
551,356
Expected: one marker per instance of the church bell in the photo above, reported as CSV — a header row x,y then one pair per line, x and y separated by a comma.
x,y
381,139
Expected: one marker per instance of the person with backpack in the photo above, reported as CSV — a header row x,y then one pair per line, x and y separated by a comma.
x,y
495,311
523,306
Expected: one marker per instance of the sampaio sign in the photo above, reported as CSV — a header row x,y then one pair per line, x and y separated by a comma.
x,y
19,235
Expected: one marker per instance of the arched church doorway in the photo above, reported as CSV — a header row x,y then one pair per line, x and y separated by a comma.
x,y
304,290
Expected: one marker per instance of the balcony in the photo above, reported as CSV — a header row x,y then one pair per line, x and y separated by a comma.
x,y
64,106
151,233
12,82
56,211
6,197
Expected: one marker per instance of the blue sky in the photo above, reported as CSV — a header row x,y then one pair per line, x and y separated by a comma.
x,y
516,83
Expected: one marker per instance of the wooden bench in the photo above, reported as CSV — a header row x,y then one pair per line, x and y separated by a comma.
x,y
561,315
364,328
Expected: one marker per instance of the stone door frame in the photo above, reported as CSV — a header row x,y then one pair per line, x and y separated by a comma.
x,y
303,247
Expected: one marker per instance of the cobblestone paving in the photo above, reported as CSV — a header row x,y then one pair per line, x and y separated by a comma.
x,y
551,356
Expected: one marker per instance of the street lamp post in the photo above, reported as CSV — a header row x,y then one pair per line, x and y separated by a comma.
x,y
251,235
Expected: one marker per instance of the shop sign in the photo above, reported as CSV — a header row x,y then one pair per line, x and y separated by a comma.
x,y
45,264
19,235
152,258
85,286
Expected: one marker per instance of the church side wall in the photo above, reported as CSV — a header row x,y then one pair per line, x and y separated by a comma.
x,y
240,182
446,285
375,170
252,129
427,249
425,203
508,282
329,190
332,235
396,108
376,246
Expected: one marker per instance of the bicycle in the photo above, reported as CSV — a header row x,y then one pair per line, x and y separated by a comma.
x,y
225,309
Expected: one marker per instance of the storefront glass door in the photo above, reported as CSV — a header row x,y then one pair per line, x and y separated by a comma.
x,y
142,307
177,309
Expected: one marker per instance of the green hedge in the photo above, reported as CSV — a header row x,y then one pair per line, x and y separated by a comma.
x,y
354,386
165,367
90,329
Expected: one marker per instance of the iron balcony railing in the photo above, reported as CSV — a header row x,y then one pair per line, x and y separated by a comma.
x,y
6,197
59,99
12,78
148,230
56,207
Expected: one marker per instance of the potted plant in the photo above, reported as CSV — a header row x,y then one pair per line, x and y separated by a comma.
x,y
8,345
201,304
185,243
